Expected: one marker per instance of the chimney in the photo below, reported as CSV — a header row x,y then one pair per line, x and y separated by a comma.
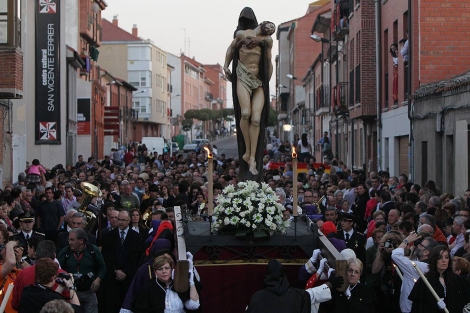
x,y
115,20
135,30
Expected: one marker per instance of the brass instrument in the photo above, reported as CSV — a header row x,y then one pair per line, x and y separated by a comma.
x,y
318,203
147,217
89,192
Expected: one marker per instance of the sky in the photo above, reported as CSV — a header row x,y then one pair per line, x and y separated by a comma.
x,y
206,26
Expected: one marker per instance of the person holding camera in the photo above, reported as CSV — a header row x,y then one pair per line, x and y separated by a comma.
x,y
389,282
86,263
35,297
423,247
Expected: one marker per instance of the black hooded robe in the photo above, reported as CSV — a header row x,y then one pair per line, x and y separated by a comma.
x,y
277,296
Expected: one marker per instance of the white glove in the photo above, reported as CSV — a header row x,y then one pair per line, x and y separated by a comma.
x,y
321,267
189,256
441,304
191,273
315,255
330,271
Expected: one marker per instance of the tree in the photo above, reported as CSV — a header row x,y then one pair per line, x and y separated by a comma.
x,y
190,114
272,120
187,124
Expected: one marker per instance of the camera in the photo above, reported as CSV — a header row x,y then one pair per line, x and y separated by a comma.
x,y
19,245
61,277
389,244
418,242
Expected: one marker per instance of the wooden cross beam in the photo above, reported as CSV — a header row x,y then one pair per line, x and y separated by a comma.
x,y
335,259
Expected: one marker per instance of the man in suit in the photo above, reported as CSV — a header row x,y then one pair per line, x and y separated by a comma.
x,y
120,249
27,232
386,203
78,220
355,241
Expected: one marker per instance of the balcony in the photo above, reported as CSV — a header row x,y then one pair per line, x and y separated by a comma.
x,y
322,101
209,96
340,21
90,29
341,96
363,111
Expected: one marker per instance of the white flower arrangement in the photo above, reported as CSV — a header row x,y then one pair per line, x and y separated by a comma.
x,y
251,206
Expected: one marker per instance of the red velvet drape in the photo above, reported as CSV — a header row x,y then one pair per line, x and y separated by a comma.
x,y
228,288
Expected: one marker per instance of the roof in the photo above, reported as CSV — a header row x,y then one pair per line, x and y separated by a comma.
x,y
443,85
112,32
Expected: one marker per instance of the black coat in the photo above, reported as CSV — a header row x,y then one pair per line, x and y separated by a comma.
x,y
363,300
357,243
121,257
20,237
457,294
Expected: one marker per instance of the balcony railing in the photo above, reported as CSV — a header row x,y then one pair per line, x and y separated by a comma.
x,y
341,96
209,96
322,100
340,21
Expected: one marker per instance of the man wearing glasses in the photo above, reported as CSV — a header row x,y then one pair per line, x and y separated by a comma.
x,y
423,247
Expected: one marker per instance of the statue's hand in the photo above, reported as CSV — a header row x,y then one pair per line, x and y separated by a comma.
x,y
228,73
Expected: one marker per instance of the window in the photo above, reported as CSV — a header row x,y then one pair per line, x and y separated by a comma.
x,y
192,72
142,105
10,23
139,53
140,78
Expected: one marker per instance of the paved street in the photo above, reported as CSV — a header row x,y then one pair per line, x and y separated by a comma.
x,y
227,145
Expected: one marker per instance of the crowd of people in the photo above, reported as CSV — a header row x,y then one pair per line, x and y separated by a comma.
x,y
122,261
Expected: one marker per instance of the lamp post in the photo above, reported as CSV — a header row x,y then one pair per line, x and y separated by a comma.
x,y
171,126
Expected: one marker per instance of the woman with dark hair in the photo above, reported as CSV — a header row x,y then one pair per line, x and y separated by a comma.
x,y
431,185
394,53
304,148
450,287
137,223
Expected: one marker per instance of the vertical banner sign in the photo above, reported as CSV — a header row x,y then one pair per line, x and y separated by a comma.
x,y
83,117
47,121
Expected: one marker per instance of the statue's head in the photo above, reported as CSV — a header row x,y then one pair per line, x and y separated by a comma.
x,y
267,28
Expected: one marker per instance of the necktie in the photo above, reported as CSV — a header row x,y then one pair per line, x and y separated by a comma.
x,y
347,237
122,237
27,237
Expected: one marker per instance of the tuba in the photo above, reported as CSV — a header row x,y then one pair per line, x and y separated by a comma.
x,y
89,192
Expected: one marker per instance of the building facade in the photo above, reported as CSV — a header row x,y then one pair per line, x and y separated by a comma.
x,y
144,66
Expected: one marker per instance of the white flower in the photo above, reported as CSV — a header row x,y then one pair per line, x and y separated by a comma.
x,y
258,218
234,220
268,222
242,214
226,221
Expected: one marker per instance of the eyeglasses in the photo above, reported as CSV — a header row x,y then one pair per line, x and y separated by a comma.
x,y
122,219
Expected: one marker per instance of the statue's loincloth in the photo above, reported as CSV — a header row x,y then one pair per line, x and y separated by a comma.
x,y
247,78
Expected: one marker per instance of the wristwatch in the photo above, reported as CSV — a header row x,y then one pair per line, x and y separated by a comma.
x,y
72,288
405,241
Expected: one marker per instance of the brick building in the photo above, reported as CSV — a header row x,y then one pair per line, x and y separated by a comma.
x,y
296,54
11,82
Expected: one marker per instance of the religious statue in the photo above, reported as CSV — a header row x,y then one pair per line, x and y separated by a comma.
x,y
250,55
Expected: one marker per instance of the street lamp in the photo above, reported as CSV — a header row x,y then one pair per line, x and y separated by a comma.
x,y
137,92
319,39
171,126
290,76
